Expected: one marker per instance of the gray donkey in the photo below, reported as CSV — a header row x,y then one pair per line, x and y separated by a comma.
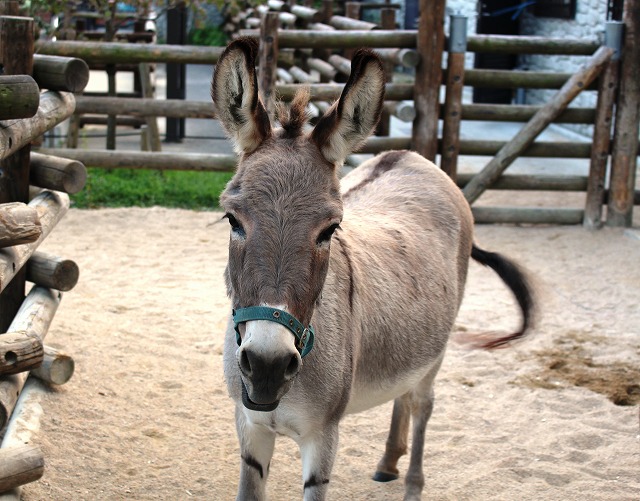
x,y
369,272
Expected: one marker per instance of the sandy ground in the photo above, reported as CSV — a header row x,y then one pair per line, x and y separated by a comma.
x,y
146,415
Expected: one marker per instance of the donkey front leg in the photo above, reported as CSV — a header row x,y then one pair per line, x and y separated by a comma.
x,y
318,451
256,449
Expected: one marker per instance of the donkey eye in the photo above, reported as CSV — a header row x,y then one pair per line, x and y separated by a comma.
x,y
325,235
235,225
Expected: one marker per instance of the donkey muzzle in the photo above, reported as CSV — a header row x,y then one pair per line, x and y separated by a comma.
x,y
266,379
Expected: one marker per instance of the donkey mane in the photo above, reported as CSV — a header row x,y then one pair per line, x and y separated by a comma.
x,y
294,119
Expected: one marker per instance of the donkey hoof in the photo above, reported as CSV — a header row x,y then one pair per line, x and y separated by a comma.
x,y
383,476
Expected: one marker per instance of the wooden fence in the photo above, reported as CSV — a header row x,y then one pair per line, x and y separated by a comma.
x,y
34,192
307,55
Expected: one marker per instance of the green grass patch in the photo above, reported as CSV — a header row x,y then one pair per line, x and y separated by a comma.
x,y
146,188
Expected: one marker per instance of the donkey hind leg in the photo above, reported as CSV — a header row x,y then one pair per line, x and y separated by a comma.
x,y
318,451
422,399
256,448
396,446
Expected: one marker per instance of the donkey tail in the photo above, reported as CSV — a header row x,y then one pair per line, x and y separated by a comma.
x,y
516,280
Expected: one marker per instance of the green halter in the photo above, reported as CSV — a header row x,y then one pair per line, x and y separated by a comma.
x,y
304,335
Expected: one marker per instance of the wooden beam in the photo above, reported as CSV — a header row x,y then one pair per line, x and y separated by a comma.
x,y
20,351
56,173
20,465
268,61
57,367
68,74
52,271
525,137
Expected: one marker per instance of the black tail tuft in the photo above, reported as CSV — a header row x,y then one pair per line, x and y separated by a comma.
x,y
516,280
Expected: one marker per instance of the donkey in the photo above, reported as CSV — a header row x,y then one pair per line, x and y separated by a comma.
x,y
343,293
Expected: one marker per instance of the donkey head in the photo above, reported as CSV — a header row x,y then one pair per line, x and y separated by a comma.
x,y
283,205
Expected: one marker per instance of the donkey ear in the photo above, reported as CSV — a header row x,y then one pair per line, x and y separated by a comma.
x,y
235,93
352,119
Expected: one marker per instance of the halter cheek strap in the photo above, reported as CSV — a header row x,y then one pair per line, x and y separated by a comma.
x,y
304,335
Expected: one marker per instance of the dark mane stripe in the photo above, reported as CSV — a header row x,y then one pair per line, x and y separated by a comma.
x,y
386,162
345,252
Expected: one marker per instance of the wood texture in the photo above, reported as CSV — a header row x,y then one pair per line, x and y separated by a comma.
x,y
52,271
20,465
33,317
537,124
452,114
20,351
16,54
51,206
19,97
430,45
54,108
145,160
141,107
524,215
607,88
57,367
116,53
19,224
68,74
267,62
56,173
625,137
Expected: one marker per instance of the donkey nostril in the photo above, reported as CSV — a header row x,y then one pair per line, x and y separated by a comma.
x,y
293,367
245,365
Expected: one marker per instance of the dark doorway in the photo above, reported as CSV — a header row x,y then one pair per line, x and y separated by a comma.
x,y
496,17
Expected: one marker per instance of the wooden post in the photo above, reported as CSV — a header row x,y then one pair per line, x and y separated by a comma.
x,y
68,74
144,71
19,352
55,173
57,367
607,88
525,136
19,97
625,137
453,101
111,119
16,54
52,271
430,44
20,465
352,11
387,22
267,63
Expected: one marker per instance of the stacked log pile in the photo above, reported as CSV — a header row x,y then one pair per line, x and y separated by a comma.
x,y
34,196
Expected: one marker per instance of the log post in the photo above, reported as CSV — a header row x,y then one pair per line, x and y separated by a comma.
x,y
68,74
57,367
625,136
34,317
506,156
58,174
453,101
52,271
51,206
144,71
20,465
267,62
16,54
19,224
352,11
54,108
19,352
430,45
19,97
607,88
387,22
111,119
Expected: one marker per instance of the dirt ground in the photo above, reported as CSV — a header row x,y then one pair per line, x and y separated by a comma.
x,y
146,415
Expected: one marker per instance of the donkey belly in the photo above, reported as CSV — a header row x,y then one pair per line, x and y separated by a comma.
x,y
366,395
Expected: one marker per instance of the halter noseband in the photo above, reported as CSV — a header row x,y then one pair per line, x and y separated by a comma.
x,y
304,335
